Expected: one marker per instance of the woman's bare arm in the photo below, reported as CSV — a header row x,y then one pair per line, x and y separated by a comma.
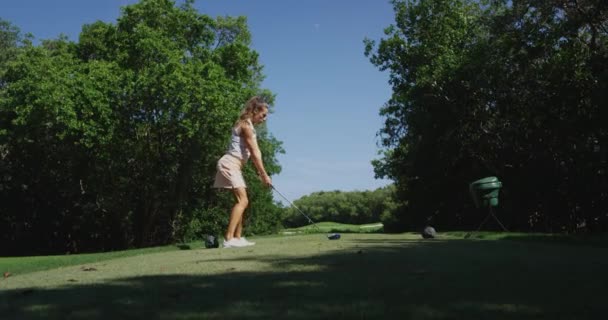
x,y
256,154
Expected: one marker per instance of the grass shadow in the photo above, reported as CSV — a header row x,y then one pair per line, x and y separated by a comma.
x,y
599,240
587,240
409,279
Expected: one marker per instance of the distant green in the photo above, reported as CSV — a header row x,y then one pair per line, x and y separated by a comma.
x,y
336,227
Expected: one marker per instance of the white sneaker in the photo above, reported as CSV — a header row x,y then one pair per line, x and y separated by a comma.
x,y
245,243
233,243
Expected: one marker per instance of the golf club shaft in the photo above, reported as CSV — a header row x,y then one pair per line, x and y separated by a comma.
x,y
294,206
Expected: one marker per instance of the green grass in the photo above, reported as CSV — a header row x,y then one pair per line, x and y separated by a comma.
x,y
23,265
334,227
306,276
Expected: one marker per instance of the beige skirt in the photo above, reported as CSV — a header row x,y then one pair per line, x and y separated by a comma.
x,y
229,173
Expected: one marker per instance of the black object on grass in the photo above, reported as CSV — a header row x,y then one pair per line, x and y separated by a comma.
x,y
211,242
429,232
333,236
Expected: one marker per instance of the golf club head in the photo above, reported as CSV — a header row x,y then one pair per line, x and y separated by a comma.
x,y
333,236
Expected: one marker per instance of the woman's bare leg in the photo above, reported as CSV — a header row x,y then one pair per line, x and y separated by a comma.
x,y
235,226
239,227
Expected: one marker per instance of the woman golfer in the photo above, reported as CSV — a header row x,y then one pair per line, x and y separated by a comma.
x,y
229,174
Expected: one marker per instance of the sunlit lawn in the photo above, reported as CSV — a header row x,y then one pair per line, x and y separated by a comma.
x,y
363,275
22,265
332,227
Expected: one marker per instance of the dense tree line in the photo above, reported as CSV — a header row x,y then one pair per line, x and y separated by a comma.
x,y
513,89
111,141
355,207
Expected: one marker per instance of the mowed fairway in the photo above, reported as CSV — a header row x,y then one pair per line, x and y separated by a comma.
x,y
360,276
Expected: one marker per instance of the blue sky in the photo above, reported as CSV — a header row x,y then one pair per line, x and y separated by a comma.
x,y
328,93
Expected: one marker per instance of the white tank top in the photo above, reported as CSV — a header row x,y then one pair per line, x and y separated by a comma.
x,y
238,146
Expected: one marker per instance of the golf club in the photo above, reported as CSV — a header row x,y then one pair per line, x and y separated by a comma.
x,y
331,236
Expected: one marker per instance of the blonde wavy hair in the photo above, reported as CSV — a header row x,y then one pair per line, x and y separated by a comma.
x,y
253,106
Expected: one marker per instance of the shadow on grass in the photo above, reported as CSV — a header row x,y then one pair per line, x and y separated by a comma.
x,y
599,240
594,240
407,279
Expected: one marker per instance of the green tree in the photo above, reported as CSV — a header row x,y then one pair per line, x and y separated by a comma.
x,y
112,142
354,207
501,88
10,42
429,43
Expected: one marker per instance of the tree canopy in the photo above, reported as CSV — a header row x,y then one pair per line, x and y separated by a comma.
x,y
353,207
512,89
111,141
